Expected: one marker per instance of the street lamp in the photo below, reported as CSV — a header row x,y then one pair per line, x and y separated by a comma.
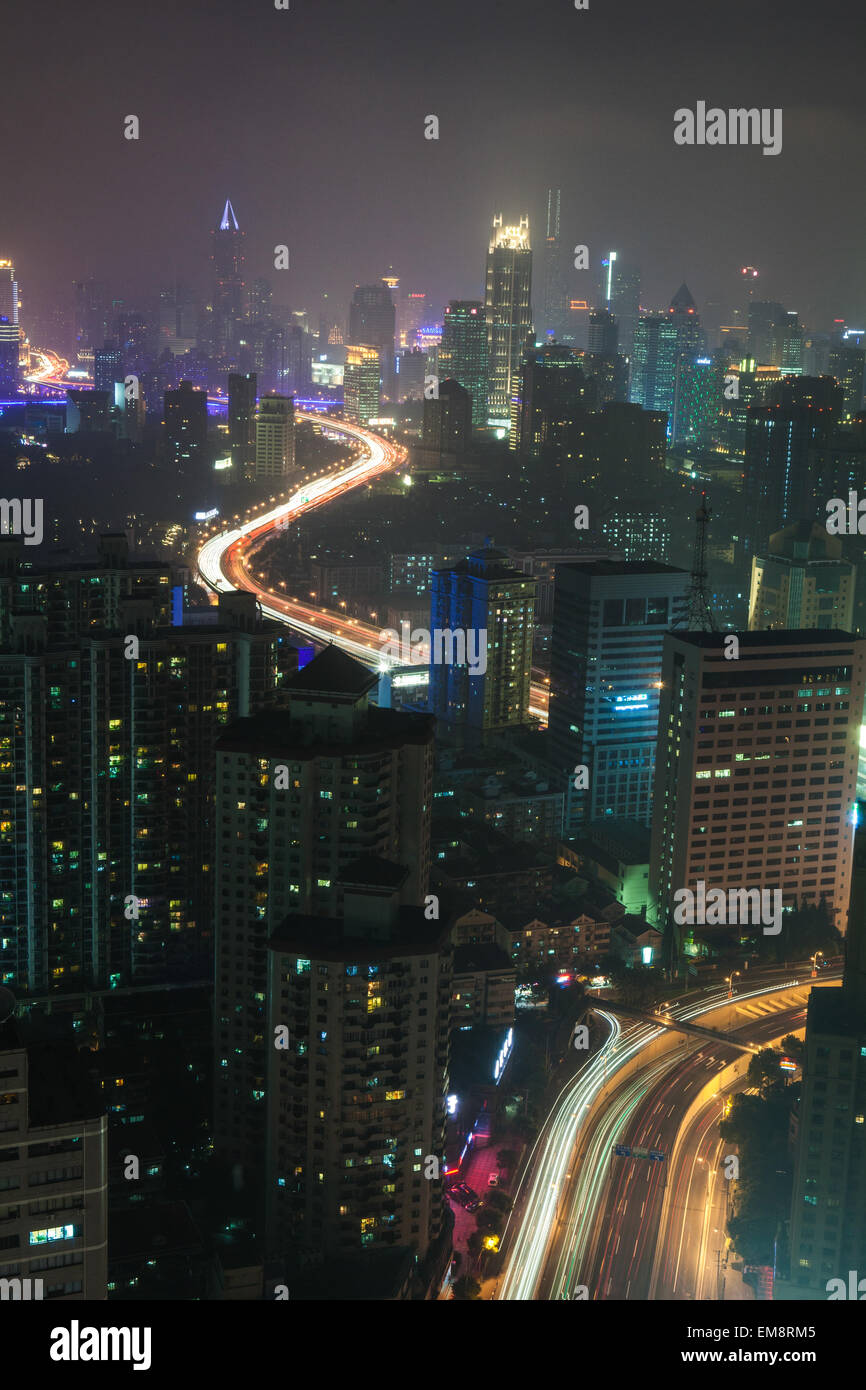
x,y
814,960
730,983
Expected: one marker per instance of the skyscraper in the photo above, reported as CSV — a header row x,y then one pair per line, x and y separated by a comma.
x,y
620,293
609,622
361,383
654,364
242,423
275,437
509,313
554,279
185,426
756,770
800,416
229,290
326,805
551,396
9,335
463,352
802,581
372,319
413,313
448,419
828,1205
491,604
846,364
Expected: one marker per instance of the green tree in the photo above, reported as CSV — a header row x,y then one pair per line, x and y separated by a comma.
x,y
467,1288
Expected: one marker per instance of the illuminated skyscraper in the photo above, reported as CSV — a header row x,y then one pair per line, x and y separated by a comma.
x,y
372,318
361,383
509,313
9,337
491,604
609,622
463,352
620,293
229,291
846,364
413,313
275,436
185,426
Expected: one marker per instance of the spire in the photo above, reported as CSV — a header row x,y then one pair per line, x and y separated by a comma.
x,y
229,212
683,301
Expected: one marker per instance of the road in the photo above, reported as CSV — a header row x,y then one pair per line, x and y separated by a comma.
x,y
225,558
556,1239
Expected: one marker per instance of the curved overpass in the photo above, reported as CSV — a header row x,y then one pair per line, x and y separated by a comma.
x,y
224,561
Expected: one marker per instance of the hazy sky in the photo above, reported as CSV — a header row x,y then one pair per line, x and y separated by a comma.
x,y
312,121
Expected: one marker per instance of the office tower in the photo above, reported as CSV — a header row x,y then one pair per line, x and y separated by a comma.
x,y
756,771
54,1165
800,416
87,412
654,363
550,401
609,622
9,355
303,794
185,426
508,309
554,279
463,352
275,436
413,313
762,344
261,297
89,314
372,318
490,603
828,1206
106,785
802,581
620,292
700,386
603,333
361,399
108,368
242,422
635,529
846,364
410,372
8,292
229,291
789,344
448,420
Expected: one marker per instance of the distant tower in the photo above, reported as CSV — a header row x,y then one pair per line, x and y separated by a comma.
x,y
229,293
554,282
700,615
509,312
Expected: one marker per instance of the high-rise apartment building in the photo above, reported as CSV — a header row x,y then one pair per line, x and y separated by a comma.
x,y
303,794
463,352
361,384
275,436
106,783
509,313
609,623
480,680
846,363
802,581
54,1166
756,770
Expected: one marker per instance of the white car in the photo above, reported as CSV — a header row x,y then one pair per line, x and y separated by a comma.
x,y
493,1180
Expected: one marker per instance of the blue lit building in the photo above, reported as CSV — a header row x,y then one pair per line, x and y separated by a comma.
x,y
609,621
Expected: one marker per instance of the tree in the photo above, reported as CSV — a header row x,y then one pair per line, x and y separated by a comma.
x,y
466,1288
506,1158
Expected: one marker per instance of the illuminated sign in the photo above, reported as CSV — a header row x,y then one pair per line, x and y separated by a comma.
x,y
207,516
504,1054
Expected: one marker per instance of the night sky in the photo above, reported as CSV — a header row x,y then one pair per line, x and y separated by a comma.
x,y
312,120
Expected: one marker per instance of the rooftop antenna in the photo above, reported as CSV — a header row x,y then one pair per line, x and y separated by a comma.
x,y
700,615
